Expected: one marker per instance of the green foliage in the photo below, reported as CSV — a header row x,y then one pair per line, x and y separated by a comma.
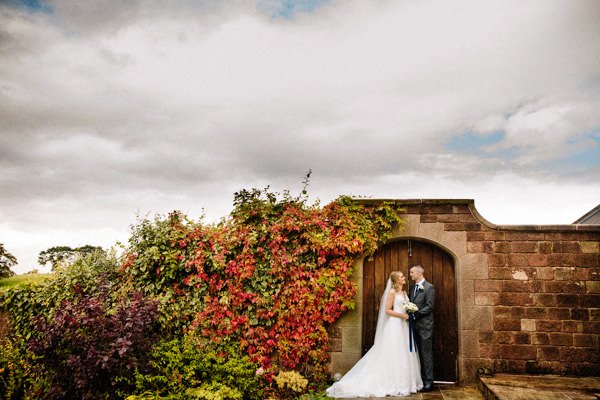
x,y
7,261
21,280
65,255
186,367
41,298
268,279
15,369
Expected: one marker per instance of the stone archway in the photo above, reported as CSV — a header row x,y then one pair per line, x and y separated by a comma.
x,y
439,269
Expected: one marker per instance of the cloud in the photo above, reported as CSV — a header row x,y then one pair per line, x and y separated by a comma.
x,y
107,108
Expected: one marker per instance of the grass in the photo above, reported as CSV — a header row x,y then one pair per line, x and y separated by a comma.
x,y
18,280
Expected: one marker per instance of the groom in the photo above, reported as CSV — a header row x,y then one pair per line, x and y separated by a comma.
x,y
422,293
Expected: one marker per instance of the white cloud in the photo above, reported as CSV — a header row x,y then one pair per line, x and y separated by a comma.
x,y
111,107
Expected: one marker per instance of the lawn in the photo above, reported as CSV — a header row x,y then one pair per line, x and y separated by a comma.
x,y
21,279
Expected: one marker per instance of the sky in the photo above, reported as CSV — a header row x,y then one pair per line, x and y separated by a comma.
x,y
111,109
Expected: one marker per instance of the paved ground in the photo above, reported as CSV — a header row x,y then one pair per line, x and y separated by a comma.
x,y
442,392
540,387
516,387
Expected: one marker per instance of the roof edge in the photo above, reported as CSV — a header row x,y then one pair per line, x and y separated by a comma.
x,y
471,204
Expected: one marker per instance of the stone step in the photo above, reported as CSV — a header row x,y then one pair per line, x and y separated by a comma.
x,y
538,387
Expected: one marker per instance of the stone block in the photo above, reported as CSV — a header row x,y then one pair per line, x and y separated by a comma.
x,y
466,293
472,226
507,324
517,352
495,235
517,260
503,337
496,260
447,218
351,340
521,338
580,314
536,312
516,299
590,327
572,326
486,336
537,260
343,362
469,344
538,338
544,273
545,300
562,273
474,266
567,300
548,353
467,218
410,227
548,326
562,260
480,247
486,298
592,287
454,226
579,354
516,235
335,345
588,260
559,313
528,325
545,247
560,339
500,273
502,247
523,247
586,340
428,218
488,350
566,247
590,247
476,318
564,287
456,242
590,300
476,236
486,285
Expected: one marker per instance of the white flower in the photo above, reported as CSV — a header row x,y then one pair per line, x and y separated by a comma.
x,y
410,307
420,286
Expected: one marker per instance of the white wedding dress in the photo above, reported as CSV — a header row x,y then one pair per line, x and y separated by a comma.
x,y
388,368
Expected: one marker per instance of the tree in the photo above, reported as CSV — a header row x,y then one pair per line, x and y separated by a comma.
x,y
65,255
7,261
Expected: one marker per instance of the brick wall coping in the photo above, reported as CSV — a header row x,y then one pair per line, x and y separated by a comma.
x,y
470,203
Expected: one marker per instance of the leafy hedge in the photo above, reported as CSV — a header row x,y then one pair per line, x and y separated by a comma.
x,y
243,305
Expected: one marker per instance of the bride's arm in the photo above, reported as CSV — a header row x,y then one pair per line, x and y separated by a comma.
x,y
389,305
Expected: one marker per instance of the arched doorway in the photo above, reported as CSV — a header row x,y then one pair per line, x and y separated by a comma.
x,y
439,270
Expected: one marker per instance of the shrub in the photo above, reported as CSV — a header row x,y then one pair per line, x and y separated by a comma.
x,y
87,275
190,368
269,279
85,346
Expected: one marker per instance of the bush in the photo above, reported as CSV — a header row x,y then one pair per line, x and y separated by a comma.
x,y
85,346
188,368
87,275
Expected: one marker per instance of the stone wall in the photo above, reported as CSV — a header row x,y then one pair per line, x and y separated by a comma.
x,y
528,296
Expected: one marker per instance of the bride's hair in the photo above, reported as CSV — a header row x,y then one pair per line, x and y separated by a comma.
x,y
395,278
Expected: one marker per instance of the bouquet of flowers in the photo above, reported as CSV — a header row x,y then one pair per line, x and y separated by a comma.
x,y
410,308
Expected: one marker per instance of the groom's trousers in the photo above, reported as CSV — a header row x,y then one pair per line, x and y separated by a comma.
x,y
424,336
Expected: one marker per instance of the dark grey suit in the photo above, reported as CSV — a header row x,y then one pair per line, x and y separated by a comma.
x,y
424,299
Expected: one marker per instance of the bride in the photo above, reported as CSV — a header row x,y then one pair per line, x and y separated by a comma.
x,y
389,368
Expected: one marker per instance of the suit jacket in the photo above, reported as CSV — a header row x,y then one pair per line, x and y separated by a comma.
x,y
425,300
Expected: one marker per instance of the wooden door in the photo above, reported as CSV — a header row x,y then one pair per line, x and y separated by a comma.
x,y
439,270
